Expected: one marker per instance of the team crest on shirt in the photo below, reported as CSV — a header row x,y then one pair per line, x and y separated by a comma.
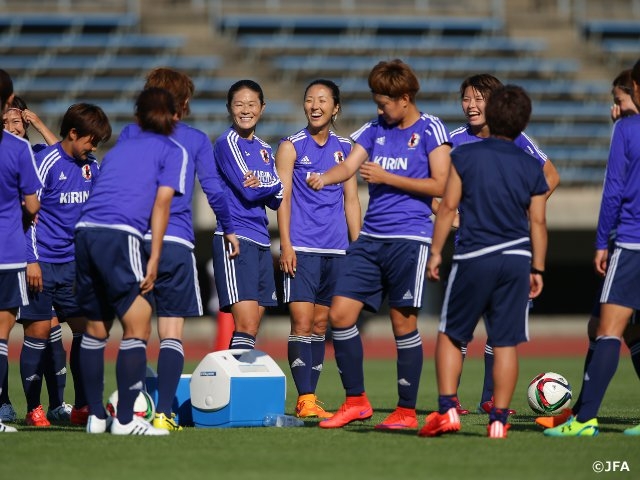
x,y
414,140
264,153
338,156
86,172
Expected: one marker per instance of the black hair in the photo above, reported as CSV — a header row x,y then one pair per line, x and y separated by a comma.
x,y
508,111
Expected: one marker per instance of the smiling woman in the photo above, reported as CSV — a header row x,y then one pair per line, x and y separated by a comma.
x,y
245,284
315,230
404,157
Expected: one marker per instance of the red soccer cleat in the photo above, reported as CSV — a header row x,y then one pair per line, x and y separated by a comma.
x,y
497,429
37,418
398,419
438,423
354,408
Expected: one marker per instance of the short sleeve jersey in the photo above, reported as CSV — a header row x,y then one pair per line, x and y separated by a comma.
x,y
498,181
200,161
394,213
318,223
235,157
67,184
130,175
462,135
18,177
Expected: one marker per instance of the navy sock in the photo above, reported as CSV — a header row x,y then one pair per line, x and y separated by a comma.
x,y
300,359
131,368
242,340
587,361
447,402
55,367
499,414
74,364
4,372
91,359
317,359
487,385
170,365
31,369
634,348
409,368
349,358
601,369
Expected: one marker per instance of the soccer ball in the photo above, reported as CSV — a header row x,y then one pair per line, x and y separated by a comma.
x,y
549,393
143,406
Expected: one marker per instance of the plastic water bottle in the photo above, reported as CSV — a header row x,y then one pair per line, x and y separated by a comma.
x,y
281,420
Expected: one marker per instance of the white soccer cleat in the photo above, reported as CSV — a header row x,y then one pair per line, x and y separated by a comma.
x,y
6,428
137,426
98,425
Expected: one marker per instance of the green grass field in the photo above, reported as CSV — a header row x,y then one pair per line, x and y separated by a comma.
x,y
354,452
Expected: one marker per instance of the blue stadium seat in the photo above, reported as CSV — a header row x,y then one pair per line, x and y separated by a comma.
x,y
301,65
111,64
380,44
608,29
56,22
41,42
331,24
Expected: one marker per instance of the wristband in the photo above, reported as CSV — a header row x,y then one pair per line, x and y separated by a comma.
x,y
535,271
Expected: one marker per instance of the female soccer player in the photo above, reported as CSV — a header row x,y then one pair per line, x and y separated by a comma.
x,y
68,170
19,183
475,92
18,118
622,93
137,182
620,209
404,157
623,106
176,290
498,259
245,284
315,229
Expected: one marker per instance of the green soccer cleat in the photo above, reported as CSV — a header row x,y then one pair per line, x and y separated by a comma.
x,y
573,428
633,431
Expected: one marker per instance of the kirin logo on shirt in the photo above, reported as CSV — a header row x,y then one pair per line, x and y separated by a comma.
x,y
265,156
86,172
338,156
414,140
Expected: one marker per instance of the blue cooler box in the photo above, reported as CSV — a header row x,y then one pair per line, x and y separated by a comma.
x,y
236,388
181,405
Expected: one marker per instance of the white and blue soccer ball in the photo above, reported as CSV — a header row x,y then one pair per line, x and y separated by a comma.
x,y
549,393
143,406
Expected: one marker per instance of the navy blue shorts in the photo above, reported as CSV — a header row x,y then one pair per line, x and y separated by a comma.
x,y
57,296
110,264
176,290
375,268
315,280
13,289
496,286
249,276
622,282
